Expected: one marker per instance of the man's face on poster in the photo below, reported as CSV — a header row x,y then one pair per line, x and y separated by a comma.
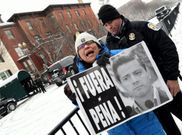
x,y
134,78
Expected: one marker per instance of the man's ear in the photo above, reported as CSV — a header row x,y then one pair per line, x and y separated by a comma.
x,y
153,75
149,72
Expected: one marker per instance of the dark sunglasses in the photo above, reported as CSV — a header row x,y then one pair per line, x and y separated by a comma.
x,y
86,43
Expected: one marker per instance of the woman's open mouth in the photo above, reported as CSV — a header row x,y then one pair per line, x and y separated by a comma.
x,y
89,53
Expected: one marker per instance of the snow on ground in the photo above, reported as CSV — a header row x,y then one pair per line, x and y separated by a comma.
x,y
177,38
39,115
42,112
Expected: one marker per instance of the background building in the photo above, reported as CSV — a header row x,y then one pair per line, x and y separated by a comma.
x,y
7,65
35,40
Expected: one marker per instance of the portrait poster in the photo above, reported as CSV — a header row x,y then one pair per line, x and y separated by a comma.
x,y
138,80
102,98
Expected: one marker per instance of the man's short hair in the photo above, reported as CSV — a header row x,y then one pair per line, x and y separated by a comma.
x,y
125,59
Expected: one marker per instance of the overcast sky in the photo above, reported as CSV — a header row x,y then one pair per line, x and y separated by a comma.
x,y
9,7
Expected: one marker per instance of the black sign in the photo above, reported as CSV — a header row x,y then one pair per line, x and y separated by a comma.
x,y
99,98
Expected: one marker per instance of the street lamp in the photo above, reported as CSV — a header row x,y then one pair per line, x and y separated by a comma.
x,y
27,53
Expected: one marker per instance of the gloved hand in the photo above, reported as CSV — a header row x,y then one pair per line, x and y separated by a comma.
x,y
69,93
103,59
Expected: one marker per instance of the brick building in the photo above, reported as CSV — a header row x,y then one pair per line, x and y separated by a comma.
x,y
37,39
7,65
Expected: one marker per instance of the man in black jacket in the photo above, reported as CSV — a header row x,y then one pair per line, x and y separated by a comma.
x,y
123,34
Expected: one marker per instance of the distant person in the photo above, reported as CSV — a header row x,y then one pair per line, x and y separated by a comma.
x,y
123,33
39,84
70,94
136,80
27,86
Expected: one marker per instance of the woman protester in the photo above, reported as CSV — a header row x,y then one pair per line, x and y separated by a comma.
x,y
89,51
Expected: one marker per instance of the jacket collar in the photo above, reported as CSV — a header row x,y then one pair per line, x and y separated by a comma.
x,y
126,25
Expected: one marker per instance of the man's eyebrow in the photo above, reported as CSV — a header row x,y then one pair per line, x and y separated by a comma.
x,y
125,75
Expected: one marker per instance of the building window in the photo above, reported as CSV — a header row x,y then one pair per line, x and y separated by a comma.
x,y
68,28
9,34
31,65
29,24
76,27
19,51
69,14
1,59
8,72
83,24
26,66
89,23
42,22
61,15
37,38
54,22
52,17
48,34
84,12
4,75
77,13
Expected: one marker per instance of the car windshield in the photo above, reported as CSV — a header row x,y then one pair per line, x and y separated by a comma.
x,y
64,62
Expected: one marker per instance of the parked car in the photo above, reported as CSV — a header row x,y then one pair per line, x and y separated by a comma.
x,y
57,78
61,69
46,79
7,105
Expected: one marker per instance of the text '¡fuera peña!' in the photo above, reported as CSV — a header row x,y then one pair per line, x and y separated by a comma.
x,y
92,85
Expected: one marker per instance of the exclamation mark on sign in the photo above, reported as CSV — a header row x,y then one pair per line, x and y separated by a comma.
x,y
119,106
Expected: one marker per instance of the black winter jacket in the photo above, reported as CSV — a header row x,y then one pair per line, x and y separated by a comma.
x,y
161,47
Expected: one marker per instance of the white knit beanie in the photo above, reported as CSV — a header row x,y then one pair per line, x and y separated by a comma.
x,y
83,38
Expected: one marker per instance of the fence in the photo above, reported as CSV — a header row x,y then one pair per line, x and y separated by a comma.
x,y
67,119
169,21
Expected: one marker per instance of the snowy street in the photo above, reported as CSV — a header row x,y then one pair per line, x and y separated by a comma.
x,y
42,112
39,115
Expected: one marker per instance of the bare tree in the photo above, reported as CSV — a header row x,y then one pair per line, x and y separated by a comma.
x,y
1,48
50,43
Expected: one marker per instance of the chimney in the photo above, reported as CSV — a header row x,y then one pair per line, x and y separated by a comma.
x,y
1,21
80,1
